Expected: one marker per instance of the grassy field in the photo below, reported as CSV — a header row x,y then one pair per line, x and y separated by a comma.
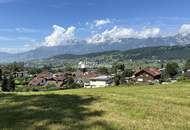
x,y
162,107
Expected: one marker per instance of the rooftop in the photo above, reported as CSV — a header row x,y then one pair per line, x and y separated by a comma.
x,y
150,70
102,78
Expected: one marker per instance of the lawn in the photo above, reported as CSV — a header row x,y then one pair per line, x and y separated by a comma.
x,y
161,107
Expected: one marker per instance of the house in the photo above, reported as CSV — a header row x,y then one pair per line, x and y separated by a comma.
x,y
21,74
57,79
148,74
99,81
41,79
38,82
84,78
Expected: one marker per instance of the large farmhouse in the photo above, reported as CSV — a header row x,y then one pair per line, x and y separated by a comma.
x,y
148,74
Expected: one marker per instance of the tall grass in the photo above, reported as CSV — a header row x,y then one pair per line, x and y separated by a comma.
x,y
159,107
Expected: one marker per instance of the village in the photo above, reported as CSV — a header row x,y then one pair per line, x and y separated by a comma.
x,y
86,77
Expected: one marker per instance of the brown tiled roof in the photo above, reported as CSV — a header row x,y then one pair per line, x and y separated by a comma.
x,y
59,78
150,70
36,81
46,75
91,74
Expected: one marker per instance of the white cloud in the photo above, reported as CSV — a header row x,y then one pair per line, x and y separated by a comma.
x,y
116,34
101,22
149,32
60,36
185,29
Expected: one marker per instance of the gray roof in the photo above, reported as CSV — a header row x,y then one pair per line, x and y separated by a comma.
x,y
102,78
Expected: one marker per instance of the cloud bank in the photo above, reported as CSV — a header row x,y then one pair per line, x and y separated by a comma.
x,y
60,36
116,34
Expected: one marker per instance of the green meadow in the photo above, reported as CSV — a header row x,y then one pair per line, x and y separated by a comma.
x,y
158,107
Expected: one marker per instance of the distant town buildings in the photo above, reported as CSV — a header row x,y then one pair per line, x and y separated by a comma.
x,y
92,78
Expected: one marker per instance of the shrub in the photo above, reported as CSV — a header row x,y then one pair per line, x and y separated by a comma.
x,y
181,78
8,84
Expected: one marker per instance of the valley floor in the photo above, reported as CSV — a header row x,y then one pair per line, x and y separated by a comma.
x,y
161,107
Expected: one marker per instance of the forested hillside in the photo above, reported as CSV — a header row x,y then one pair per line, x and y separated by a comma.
x,y
161,53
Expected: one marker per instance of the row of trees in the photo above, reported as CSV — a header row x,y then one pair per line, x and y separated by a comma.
x,y
121,72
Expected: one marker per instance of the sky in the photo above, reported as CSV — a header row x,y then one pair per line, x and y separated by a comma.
x,y
27,24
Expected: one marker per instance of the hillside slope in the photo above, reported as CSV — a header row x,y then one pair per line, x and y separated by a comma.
x,y
161,52
119,108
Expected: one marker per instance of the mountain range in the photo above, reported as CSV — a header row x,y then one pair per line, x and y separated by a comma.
x,y
82,47
156,53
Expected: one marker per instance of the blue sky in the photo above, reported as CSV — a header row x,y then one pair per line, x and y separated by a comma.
x,y
26,24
